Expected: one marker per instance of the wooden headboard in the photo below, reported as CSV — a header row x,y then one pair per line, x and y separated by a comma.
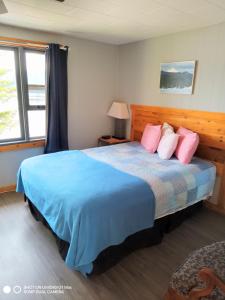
x,y
209,125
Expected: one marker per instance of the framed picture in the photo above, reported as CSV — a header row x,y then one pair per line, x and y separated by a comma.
x,y
177,77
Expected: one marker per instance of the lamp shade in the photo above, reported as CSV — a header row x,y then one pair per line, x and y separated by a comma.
x,y
119,110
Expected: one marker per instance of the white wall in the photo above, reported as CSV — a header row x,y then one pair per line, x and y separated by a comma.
x,y
139,69
10,162
92,71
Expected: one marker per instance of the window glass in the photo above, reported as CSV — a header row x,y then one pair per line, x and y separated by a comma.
x,y
37,121
35,63
9,110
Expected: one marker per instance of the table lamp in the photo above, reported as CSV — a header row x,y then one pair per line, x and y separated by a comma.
x,y
119,111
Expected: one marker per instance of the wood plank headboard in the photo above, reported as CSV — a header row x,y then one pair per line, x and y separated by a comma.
x,y
209,125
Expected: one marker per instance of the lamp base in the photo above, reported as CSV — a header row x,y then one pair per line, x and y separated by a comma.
x,y
120,129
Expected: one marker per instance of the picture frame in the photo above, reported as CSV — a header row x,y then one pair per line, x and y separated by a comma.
x,y
177,77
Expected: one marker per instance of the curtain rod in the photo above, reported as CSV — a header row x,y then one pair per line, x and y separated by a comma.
x,y
6,41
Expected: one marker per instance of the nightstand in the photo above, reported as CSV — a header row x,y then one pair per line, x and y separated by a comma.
x,y
111,141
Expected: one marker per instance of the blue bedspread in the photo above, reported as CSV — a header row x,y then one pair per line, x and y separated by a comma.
x,y
87,203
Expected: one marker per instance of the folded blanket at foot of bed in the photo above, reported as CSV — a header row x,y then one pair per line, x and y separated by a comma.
x,y
87,203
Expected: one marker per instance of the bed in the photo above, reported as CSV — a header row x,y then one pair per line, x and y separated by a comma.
x,y
98,198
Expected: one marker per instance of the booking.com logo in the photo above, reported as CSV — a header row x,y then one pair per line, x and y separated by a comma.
x,y
16,289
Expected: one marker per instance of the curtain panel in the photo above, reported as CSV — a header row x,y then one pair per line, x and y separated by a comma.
x,y
57,99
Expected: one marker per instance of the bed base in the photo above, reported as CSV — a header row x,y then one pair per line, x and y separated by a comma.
x,y
145,238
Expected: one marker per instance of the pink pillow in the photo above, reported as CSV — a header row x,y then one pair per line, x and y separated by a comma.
x,y
167,145
150,138
187,145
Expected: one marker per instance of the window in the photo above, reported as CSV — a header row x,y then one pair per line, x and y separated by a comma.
x,y
22,94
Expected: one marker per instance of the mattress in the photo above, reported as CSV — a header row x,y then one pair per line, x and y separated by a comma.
x,y
175,185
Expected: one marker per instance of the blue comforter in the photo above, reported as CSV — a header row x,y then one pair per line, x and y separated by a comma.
x,y
87,203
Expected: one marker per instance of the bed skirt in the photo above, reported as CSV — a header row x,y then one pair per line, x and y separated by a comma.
x,y
145,238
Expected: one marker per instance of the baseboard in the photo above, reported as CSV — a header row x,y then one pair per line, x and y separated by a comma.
x,y
215,207
8,188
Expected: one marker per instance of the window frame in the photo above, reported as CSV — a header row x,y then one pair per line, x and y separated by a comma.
x,y
23,95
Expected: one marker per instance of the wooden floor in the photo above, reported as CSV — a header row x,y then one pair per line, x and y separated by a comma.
x,y
29,256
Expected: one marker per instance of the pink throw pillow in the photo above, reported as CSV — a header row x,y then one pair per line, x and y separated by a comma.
x,y
187,145
151,137
167,145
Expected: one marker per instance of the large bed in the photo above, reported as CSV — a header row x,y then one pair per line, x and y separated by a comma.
x,y
98,198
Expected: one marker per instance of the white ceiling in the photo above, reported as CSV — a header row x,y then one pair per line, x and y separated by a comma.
x,y
114,21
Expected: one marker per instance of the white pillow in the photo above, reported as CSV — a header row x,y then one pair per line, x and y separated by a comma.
x,y
167,145
167,129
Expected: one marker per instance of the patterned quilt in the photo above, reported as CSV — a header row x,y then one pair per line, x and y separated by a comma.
x,y
175,186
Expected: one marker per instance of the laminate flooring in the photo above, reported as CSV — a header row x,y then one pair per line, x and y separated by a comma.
x,y
29,258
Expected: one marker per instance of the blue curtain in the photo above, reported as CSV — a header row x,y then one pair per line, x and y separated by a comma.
x,y
57,127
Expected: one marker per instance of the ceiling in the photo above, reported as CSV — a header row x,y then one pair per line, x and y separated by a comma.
x,y
114,21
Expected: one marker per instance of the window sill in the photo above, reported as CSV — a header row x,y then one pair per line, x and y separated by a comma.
x,y
22,145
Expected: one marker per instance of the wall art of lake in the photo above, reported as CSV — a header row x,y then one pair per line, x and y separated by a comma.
x,y
177,77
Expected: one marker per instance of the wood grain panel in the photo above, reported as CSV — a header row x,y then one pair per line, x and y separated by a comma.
x,y
20,146
215,207
15,42
8,188
209,125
